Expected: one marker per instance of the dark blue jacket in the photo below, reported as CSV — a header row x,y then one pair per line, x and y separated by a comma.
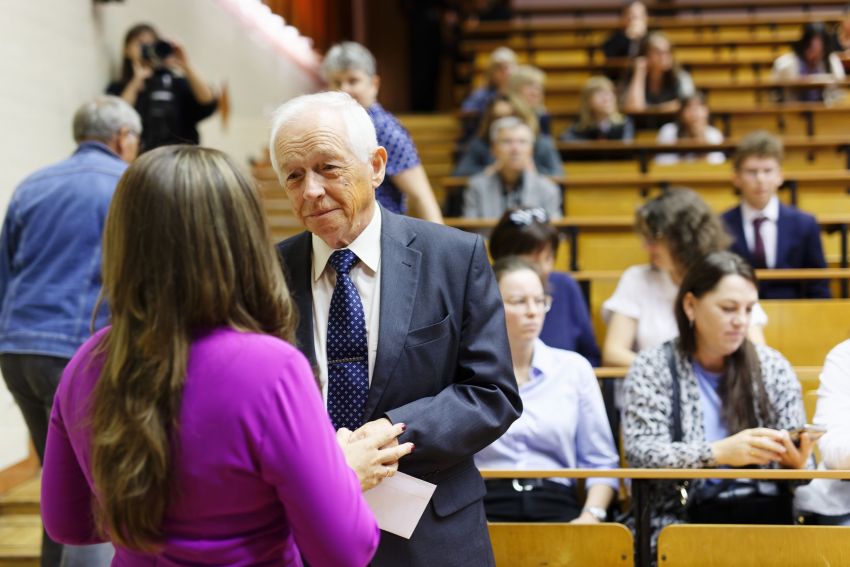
x,y
567,325
50,253
798,245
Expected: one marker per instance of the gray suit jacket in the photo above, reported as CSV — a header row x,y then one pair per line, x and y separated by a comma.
x,y
443,367
484,198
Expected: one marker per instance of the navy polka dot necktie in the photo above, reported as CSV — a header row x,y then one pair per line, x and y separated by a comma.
x,y
348,355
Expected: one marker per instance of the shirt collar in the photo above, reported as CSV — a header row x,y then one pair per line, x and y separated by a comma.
x,y
90,145
770,211
541,361
367,246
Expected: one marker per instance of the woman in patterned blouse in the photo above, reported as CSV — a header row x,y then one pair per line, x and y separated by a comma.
x,y
736,400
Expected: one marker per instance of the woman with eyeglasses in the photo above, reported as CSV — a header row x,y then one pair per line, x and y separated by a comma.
x,y
527,233
563,424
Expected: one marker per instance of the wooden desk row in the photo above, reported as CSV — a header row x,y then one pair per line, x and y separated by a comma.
x,y
641,480
574,227
706,24
815,118
614,8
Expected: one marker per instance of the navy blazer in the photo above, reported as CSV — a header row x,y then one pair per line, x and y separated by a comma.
x,y
798,245
443,368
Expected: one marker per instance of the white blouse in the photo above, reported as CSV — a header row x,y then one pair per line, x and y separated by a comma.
x,y
647,295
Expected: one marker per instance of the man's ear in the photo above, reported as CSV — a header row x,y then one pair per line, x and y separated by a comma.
x,y
378,162
376,82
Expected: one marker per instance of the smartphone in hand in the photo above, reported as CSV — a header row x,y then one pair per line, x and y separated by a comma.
x,y
815,432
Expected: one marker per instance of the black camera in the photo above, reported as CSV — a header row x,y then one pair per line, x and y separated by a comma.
x,y
154,53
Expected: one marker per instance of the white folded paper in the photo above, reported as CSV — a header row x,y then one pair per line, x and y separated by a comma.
x,y
398,503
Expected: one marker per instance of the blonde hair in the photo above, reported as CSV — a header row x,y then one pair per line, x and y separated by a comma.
x,y
591,87
185,247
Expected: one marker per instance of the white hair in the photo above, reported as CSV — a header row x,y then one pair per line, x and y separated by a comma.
x,y
508,123
348,56
502,55
102,117
359,130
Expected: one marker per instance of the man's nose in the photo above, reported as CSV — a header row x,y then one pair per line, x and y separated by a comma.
x,y
313,186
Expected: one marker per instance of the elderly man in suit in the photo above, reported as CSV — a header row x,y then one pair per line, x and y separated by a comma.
x,y
404,322
766,232
512,180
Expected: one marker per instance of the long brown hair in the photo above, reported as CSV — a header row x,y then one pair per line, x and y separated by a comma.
x,y
742,392
185,247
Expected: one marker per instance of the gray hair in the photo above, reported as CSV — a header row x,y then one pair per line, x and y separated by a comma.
x,y
502,55
103,117
508,123
359,130
348,56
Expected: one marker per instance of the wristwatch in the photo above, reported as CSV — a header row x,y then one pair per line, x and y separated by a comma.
x,y
599,513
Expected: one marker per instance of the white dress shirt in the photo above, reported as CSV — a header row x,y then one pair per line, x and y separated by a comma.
x,y
769,228
366,278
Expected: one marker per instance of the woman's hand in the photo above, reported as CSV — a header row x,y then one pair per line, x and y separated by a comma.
x,y
585,518
758,446
796,457
178,58
373,450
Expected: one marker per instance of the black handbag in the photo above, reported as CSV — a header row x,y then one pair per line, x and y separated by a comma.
x,y
739,501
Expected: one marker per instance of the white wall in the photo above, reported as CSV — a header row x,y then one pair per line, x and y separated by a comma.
x,y
56,54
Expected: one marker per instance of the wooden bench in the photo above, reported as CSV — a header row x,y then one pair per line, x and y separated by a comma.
x,y
752,546
641,477
561,544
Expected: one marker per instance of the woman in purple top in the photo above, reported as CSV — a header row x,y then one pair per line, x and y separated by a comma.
x,y
189,432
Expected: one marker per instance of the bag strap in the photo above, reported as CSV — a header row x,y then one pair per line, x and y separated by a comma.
x,y
677,398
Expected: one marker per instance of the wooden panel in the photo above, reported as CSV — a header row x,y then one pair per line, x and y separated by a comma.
x,y
561,545
752,546
805,330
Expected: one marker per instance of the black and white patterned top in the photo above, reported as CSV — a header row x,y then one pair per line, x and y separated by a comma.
x,y
648,419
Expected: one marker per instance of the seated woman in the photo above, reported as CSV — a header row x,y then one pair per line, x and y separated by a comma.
x,y
527,84
563,423
691,125
598,115
828,499
191,428
477,155
711,398
656,81
678,228
813,57
528,234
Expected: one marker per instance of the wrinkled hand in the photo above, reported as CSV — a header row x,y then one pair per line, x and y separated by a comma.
x,y
758,446
373,450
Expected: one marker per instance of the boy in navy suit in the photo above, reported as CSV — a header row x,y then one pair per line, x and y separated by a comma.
x,y
768,233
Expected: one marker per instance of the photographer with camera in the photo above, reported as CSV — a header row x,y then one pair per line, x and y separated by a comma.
x,y
166,90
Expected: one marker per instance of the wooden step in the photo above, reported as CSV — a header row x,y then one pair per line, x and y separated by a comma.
x,y
22,499
20,540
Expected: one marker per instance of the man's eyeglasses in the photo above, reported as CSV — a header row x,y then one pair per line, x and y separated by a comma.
x,y
524,217
538,303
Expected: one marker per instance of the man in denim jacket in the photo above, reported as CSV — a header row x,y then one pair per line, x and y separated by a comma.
x,y
50,269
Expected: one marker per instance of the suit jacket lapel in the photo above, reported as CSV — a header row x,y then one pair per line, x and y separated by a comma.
x,y
783,237
399,281
299,271
737,228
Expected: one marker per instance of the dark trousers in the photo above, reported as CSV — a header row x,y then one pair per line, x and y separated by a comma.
x,y
530,500
756,509
32,380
